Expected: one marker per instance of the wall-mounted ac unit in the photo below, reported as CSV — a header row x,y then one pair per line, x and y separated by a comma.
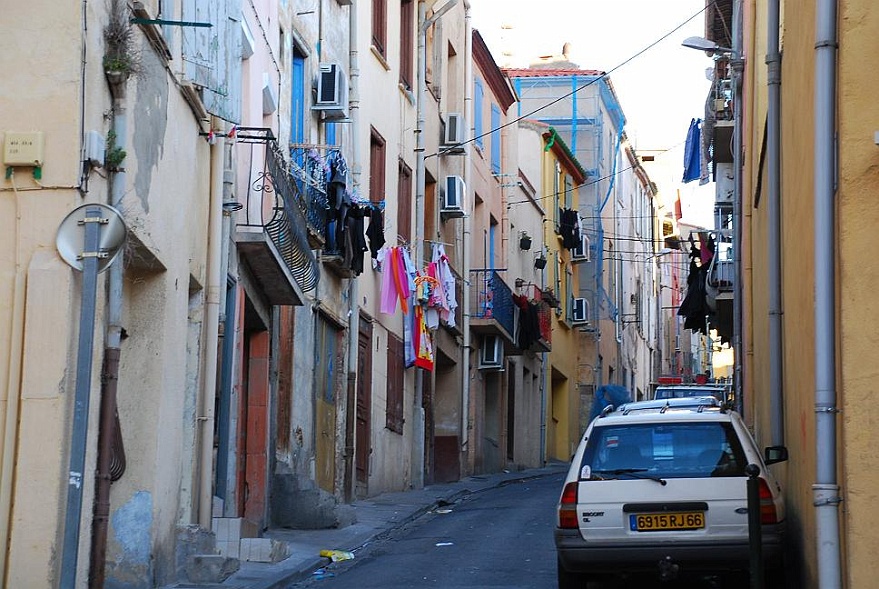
x,y
332,91
491,353
453,133
725,183
581,252
579,311
453,192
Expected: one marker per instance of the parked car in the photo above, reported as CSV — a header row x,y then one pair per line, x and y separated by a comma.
x,y
659,487
679,391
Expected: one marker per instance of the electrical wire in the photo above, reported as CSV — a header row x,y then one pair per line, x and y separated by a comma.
x,y
591,182
584,86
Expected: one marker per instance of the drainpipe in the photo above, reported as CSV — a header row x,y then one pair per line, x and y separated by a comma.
x,y
421,97
205,418
825,490
773,151
353,306
465,244
737,64
110,379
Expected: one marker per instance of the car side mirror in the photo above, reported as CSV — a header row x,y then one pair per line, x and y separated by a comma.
x,y
773,454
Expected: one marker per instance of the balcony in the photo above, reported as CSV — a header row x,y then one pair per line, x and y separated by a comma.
x,y
721,281
535,296
271,231
492,310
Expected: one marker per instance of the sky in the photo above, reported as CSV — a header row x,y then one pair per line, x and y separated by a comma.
x,y
660,90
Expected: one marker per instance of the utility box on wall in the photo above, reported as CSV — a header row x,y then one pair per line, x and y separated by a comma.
x,y
23,149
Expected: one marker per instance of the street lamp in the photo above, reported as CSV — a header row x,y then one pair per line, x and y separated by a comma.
x,y
703,44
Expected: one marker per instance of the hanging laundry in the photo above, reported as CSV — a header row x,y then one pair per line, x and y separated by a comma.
x,y
355,241
388,300
528,331
376,231
569,227
449,302
409,331
423,345
692,152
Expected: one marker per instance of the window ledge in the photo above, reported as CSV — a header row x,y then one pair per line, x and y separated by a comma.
x,y
407,93
381,58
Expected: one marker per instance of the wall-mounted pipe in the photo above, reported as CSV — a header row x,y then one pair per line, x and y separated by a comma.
x,y
353,304
773,211
205,417
826,488
466,228
112,351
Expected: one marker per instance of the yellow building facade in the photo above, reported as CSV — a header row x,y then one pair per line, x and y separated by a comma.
x,y
854,244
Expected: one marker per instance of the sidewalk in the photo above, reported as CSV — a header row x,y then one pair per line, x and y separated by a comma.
x,y
375,517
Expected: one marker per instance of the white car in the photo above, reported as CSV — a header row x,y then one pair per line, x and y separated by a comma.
x,y
659,487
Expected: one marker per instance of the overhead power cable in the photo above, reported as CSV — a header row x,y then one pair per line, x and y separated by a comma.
x,y
584,86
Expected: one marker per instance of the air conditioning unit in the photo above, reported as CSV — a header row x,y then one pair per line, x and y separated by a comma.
x,y
332,91
491,353
725,186
453,196
581,252
579,311
453,134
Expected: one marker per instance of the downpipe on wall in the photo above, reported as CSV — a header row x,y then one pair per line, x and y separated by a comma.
x,y
353,304
465,246
826,488
110,371
210,332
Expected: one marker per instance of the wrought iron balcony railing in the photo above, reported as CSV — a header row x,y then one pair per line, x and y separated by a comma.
x,y
492,299
274,203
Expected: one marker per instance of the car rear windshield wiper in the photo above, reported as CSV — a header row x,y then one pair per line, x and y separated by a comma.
x,y
638,473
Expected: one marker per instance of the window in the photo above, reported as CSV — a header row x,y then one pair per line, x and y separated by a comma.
x,y
495,139
395,385
669,450
376,167
404,202
477,113
407,45
380,25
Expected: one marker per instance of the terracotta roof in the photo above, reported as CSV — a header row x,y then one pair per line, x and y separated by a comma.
x,y
543,73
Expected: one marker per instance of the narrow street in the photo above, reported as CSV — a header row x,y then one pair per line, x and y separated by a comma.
x,y
498,538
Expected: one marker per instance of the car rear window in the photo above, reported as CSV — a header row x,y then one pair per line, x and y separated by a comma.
x,y
671,450
679,393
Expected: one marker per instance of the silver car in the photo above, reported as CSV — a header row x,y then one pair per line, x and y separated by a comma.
x,y
659,487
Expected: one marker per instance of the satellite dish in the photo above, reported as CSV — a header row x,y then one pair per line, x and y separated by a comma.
x,y
70,240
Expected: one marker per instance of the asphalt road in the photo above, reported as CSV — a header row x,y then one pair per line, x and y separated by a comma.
x,y
498,538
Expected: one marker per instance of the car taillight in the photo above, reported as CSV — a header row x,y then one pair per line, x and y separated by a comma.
x,y
768,515
568,507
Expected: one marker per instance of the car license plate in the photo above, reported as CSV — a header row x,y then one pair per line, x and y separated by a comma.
x,y
657,522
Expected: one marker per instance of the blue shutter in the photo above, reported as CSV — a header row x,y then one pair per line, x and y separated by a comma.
x,y
297,103
212,55
330,131
492,234
477,112
495,139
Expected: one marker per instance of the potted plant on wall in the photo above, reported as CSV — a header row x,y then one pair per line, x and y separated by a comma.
x,y
121,60
524,240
